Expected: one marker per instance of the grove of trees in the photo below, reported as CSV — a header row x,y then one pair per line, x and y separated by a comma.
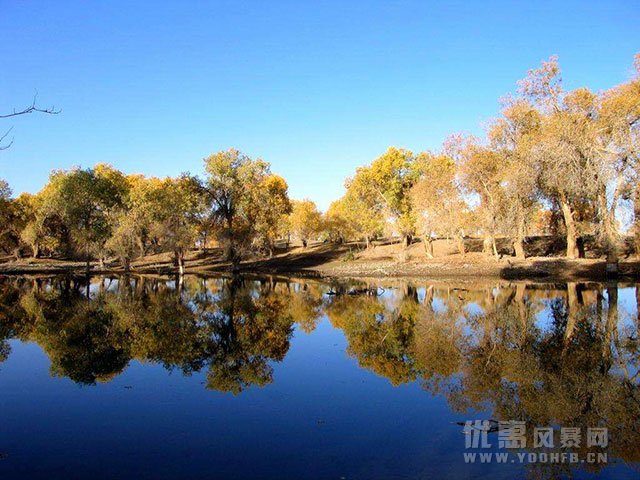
x,y
572,156
554,160
99,212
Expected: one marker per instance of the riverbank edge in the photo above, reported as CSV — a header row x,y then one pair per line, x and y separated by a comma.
x,y
539,269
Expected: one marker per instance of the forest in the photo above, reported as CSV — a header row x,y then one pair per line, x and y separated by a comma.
x,y
554,162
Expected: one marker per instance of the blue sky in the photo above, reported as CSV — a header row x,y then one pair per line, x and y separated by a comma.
x,y
314,88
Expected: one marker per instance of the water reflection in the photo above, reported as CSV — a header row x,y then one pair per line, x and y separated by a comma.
x,y
544,354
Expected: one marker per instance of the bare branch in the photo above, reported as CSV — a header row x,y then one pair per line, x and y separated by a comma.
x,y
32,108
4,147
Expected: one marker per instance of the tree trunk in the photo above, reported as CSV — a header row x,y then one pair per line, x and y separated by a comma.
x,y
411,293
407,240
609,234
518,244
428,246
367,240
428,296
460,241
205,237
612,264
304,243
229,250
572,238
486,245
489,245
611,326
573,301
235,264
180,262
36,250
521,301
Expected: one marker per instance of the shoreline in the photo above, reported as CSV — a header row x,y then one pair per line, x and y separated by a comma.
x,y
532,269
351,260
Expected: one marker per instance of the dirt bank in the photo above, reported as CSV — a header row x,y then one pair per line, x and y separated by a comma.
x,y
351,260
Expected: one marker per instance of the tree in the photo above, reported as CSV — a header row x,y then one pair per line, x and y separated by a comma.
x,y
11,221
6,213
125,238
5,191
284,228
44,230
619,127
337,222
272,206
144,203
85,200
480,169
564,149
305,220
386,183
362,207
436,201
174,206
15,214
233,186
513,136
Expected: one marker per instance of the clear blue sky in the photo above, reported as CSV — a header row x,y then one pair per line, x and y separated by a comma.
x,y
315,88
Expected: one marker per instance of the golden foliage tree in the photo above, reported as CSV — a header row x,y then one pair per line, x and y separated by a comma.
x,y
436,201
305,220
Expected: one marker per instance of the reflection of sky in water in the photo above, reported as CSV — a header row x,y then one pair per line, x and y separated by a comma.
x,y
627,309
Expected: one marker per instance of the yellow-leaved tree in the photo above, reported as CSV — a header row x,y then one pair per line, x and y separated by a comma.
x,y
305,220
439,208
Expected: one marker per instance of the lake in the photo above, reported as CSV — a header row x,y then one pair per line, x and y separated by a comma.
x,y
276,378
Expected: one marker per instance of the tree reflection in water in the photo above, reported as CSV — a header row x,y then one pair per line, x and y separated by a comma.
x,y
544,354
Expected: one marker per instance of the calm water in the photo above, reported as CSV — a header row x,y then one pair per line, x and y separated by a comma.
x,y
271,378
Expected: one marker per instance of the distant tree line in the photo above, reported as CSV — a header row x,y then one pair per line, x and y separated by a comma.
x,y
554,161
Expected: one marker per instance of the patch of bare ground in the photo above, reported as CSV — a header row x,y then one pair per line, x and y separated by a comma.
x,y
477,265
391,260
